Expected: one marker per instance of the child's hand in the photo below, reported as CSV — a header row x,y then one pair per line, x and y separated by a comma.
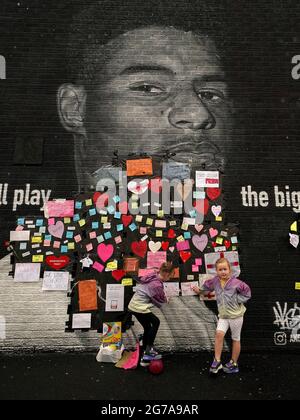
x,y
196,289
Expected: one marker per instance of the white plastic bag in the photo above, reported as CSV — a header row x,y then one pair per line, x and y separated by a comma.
x,y
109,354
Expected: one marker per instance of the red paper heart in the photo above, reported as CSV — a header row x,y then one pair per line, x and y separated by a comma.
x,y
139,248
156,185
118,274
214,244
171,233
100,200
57,262
213,193
165,245
126,219
227,243
202,206
185,255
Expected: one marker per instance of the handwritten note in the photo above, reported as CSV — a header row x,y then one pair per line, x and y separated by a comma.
x,y
59,208
55,281
27,272
137,167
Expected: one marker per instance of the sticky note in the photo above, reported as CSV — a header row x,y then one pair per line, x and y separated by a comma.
x,y
81,222
143,230
63,249
294,227
160,213
77,238
78,205
21,221
118,239
71,245
93,235
89,247
219,218
159,233
69,235
195,268
117,215
67,220
134,205
120,227
97,266
56,244
107,235
132,227
180,238
116,199
39,222
187,235
88,202
47,243
37,258
76,217
127,282
219,240
92,212
297,286
112,265
139,218
104,219
36,239
234,240
23,245
198,261
100,239
95,225
51,221
184,226
111,209
149,221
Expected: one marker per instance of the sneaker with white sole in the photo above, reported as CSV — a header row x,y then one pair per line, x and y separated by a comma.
x,y
215,367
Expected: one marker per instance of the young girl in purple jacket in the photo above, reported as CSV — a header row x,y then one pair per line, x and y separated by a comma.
x,y
149,293
231,294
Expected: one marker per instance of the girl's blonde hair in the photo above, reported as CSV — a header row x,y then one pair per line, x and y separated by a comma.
x,y
166,267
221,261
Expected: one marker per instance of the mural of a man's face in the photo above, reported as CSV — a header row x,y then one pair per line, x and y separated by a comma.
x,y
156,89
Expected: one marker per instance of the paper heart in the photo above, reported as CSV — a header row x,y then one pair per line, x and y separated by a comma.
x,y
165,245
57,230
171,234
227,243
126,219
123,207
213,193
57,262
139,248
118,274
214,244
213,232
185,255
200,242
138,187
156,185
171,248
100,200
201,206
216,210
199,227
154,246
105,251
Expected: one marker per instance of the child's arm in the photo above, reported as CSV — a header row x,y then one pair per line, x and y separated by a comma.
x,y
244,292
207,286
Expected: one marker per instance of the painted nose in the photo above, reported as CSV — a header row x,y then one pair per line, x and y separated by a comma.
x,y
193,117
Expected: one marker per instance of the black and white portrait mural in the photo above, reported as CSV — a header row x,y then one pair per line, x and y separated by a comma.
x,y
135,134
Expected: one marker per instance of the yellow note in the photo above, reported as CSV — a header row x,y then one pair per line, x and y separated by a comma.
x,y
67,220
81,222
113,265
37,258
233,248
294,227
219,219
297,286
219,240
139,218
159,233
149,221
180,238
134,205
104,219
127,282
184,226
36,239
88,202
71,245
160,213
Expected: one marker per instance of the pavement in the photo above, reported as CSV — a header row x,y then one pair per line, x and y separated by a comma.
x,y
78,376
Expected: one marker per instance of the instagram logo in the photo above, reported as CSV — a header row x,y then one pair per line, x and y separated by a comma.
x,y
280,339
2,67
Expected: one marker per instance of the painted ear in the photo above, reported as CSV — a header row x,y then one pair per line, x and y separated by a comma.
x,y
71,101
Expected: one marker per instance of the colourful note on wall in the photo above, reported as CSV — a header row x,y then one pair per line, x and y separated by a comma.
x,y
59,208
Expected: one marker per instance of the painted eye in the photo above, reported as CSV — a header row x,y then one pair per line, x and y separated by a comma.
x,y
211,96
146,88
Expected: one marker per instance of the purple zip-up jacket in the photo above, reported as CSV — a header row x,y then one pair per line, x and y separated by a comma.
x,y
149,292
231,299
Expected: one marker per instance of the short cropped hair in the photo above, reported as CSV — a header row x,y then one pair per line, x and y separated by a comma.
x,y
104,20
167,267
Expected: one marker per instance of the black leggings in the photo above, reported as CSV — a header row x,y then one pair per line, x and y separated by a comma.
x,y
150,323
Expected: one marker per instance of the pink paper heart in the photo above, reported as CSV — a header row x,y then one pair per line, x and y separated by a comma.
x,y
57,230
105,251
171,248
213,232
216,210
138,187
199,228
200,242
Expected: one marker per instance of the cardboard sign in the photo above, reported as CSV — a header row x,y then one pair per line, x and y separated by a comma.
x,y
137,167
87,295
